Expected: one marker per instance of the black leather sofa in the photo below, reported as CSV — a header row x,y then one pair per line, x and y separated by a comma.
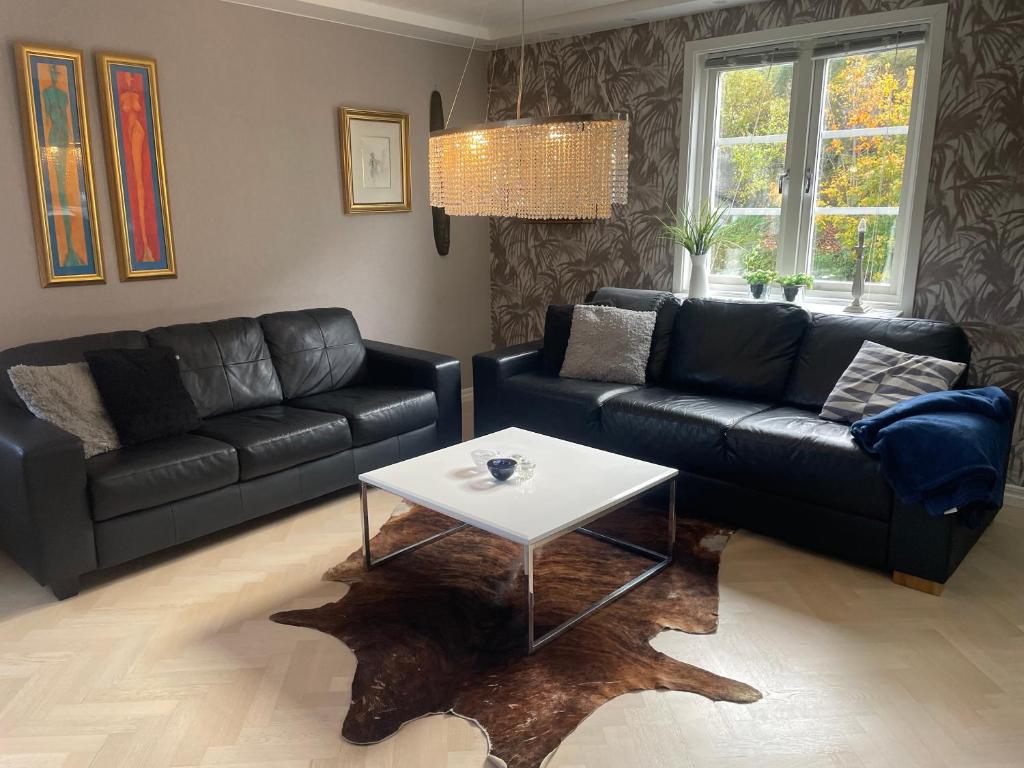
x,y
732,398
294,406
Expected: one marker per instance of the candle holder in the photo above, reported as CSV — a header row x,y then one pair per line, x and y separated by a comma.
x,y
855,307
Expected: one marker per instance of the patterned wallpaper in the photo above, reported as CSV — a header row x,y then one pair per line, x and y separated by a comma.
x,y
972,255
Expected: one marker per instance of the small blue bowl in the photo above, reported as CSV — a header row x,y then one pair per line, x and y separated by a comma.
x,y
502,469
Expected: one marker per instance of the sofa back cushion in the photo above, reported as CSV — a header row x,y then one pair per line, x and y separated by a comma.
x,y
741,349
61,352
832,341
640,300
314,350
225,365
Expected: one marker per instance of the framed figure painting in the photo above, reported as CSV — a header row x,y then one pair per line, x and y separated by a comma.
x,y
59,165
135,166
375,160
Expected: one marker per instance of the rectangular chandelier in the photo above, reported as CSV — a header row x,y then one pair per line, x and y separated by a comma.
x,y
567,167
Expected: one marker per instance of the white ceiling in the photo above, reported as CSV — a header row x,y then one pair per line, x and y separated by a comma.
x,y
491,23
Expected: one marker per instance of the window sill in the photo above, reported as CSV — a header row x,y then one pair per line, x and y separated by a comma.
x,y
812,304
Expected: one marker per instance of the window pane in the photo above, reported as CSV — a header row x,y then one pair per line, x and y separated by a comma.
x,y
860,157
749,156
752,242
835,238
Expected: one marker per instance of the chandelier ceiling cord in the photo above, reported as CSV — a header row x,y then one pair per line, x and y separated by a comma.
x,y
564,167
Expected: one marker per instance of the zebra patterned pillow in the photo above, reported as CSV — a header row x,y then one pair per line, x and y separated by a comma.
x,y
880,377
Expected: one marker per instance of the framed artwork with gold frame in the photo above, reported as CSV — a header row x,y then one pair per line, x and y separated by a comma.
x,y
375,160
59,163
135,166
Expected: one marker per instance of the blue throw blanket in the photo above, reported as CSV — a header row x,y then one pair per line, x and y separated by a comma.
x,y
946,450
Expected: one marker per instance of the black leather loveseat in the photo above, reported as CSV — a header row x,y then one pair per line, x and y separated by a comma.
x,y
732,400
294,405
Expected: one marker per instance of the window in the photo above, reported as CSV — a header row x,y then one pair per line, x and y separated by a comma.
x,y
801,134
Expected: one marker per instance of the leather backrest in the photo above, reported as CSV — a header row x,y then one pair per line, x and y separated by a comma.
x,y
640,300
225,365
314,350
742,349
832,341
61,352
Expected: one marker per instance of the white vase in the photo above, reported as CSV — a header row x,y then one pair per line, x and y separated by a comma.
x,y
698,276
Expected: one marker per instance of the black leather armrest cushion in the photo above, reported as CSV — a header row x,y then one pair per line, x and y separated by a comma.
x,y
490,369
45,522
390,364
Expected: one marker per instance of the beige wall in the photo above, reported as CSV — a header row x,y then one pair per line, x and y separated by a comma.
x,y
249,102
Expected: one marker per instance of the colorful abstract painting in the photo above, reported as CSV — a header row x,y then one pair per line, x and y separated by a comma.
x,y
59,165
135,165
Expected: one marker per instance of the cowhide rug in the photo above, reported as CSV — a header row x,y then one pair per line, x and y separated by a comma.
x,y
442,629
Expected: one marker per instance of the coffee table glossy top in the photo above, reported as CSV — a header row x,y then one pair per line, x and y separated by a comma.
x,y
572,483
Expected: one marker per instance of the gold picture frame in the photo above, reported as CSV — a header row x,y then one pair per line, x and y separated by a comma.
x,y
135,166
58,159
372,181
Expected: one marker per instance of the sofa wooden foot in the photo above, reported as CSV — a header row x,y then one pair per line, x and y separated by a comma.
x,y
916,582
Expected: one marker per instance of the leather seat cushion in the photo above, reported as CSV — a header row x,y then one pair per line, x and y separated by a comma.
x,y
791,452
278,437
678,429
376,413
158,472
566,408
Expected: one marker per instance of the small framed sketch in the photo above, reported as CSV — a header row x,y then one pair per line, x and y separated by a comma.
x,y
135,166
375,160
59,165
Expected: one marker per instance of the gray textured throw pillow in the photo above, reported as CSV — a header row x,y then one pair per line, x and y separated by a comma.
x,y
609,344
880,377
66,396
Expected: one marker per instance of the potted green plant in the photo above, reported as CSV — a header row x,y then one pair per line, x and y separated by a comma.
x,y
791,284
698,232
759,280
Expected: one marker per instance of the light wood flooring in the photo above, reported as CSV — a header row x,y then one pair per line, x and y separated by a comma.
x,y
172,662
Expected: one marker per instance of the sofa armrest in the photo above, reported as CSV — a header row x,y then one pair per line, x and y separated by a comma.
x,y
391,364
929,547
45,523
490,370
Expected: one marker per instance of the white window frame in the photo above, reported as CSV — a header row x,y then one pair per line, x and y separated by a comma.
x,y
698,120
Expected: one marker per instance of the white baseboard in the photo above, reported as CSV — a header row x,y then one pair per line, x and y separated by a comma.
x,y
1013,496
467,395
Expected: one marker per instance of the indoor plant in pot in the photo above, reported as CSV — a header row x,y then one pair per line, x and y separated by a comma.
x,y
791,284
698,232
759,280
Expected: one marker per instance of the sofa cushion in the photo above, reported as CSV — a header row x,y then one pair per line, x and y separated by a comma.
x,y
314,350
376,413
566,408
792,453
158,472
225,365
557,329
640,300
674,428
832,341
143,393
278,437
609,344
740,349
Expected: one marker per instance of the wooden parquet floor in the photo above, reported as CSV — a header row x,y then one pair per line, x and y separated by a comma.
x,y
172,662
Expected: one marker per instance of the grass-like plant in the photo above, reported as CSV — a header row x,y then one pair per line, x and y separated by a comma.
x,y
760,276
700,231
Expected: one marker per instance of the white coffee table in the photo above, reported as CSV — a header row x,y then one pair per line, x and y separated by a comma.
x,y
573,486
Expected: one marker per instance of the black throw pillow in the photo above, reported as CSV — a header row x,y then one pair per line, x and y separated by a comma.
x,y
143,392
557,326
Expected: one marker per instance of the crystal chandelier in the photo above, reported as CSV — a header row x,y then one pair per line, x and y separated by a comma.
x,y
565,167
